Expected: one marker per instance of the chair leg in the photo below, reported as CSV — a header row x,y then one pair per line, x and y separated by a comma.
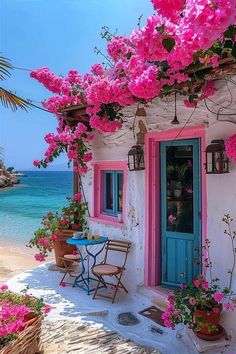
x,y
96,290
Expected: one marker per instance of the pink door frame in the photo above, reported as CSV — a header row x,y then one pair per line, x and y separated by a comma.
x,y
152,264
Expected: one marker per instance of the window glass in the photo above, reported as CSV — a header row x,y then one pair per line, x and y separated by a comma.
x,y
119,191
108,191
113,192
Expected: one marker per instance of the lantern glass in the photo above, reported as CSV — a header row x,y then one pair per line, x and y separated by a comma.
x,y
136,158
216,159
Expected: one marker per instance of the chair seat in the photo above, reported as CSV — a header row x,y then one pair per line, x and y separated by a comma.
x,y
105,269
72,257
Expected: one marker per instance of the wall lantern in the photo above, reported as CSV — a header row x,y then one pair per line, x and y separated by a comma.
x,y
136,158
216,159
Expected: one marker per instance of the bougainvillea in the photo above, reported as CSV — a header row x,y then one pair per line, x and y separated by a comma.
x,y
156,60
230,147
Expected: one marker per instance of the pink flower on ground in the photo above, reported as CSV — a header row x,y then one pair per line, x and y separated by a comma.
x,y
218,297
3,287
63,284
196,282
216,310
192,301
47,309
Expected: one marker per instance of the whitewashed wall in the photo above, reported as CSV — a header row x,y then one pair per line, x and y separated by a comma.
x,y
221,190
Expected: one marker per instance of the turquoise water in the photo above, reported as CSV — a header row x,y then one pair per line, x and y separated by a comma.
x,y
22,207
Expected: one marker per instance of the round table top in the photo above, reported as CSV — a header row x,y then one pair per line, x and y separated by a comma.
x,y
85,241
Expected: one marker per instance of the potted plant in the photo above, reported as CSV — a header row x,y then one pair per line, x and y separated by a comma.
x,y
20,321
57,227
199,306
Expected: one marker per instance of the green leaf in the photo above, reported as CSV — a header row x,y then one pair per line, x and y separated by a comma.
x,y
229,33
234,50
160,29
168,43
228,44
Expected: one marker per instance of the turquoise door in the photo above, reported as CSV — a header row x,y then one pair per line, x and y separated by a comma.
x,y
180,211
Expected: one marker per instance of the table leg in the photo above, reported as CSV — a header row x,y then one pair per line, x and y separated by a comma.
x,y
80,275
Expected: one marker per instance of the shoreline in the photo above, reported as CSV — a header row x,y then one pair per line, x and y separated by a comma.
x,y
15,260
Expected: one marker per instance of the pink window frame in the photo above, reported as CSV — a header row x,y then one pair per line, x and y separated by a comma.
x,y
98,168
152,264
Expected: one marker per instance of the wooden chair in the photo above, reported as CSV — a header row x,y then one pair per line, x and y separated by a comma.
x,y
69,261
106,269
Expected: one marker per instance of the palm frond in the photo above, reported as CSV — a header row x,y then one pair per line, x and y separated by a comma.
x,y
8,99
4,68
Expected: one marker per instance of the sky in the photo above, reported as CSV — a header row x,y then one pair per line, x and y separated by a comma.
x,y
61,35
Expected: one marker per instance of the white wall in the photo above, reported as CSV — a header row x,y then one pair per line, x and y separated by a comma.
x,y
221,190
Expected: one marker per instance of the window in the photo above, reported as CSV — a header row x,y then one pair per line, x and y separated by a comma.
x,y
113,192
110,180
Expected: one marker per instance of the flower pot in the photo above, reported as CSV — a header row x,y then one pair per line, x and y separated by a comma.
x,y
61,247
204,320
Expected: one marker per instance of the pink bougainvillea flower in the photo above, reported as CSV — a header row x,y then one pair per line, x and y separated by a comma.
x,y
3,287
47,309
218,296
230,147
36,163
75,253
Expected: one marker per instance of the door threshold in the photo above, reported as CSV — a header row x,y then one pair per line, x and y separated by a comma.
x,y
158,295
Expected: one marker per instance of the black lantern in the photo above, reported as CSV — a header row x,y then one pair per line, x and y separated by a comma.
x,y
136,158
216,159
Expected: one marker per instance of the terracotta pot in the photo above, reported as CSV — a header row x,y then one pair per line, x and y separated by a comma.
x,y
208,318
30,318
61,247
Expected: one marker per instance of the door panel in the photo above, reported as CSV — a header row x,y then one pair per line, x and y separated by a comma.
x,y
180,211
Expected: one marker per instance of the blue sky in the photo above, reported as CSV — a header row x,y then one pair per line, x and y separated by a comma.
x,y
59,34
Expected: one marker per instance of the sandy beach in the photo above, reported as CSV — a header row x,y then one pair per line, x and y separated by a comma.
x,y
14,261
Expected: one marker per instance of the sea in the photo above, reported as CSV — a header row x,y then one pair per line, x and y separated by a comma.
x,y
22,206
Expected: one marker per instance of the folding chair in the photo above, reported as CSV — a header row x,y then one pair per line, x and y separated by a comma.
x,y
106,269
70,261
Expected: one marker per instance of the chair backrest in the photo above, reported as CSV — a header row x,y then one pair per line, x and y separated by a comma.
x,y
118,246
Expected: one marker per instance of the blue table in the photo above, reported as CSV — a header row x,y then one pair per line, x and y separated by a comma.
x,y
84,280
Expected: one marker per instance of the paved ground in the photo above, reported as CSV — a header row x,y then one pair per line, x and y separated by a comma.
x,y
62,337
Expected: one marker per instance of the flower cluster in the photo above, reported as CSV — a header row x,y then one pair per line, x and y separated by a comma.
x,y
71,140
230,147
155,60
197,296
71,217
14,309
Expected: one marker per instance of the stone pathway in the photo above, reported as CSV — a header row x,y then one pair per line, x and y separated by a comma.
x,y
68,337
